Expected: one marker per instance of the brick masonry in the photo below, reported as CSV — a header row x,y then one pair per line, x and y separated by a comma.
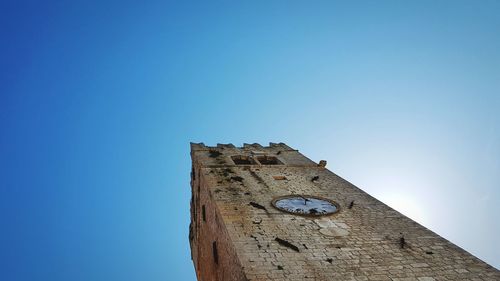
x,y
234,228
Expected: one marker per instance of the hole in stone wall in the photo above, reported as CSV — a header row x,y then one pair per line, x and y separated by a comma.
x,y
215,253
286,244
203,213
258,206
242,160
268,160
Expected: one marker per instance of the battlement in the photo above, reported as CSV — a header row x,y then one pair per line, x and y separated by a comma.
x,y
201,146
248,154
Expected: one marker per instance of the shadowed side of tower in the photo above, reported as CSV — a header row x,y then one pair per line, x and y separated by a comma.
x,y
270,213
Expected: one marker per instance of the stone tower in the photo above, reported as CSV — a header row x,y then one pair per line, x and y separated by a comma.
x,y
270,213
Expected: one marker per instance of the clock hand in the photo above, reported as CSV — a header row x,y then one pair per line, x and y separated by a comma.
x,y
305,199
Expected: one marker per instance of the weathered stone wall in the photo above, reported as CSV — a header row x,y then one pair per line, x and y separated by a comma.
x,y
369,241
212,250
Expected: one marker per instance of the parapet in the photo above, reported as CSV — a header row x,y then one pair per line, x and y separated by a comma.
x,y
248,155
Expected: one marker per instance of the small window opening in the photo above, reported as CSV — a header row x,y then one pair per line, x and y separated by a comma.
x,y
269,160
193,175
242,160
203,215
279,178
215,253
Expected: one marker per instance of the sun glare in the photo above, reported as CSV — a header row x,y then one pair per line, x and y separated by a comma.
x,y
405,204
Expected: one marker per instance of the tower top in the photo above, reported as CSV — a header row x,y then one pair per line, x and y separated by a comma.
x,y
249,154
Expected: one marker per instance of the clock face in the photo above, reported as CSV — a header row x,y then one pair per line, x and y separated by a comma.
x,y
305,205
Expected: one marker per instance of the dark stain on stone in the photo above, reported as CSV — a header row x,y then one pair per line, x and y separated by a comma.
x,y
336,246
214,153
258,178
227,171
287,244
237,178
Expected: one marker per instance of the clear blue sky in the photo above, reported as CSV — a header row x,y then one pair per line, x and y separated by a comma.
x,y
100,99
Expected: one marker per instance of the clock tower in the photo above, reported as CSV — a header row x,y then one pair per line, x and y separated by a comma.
x,y
270,213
